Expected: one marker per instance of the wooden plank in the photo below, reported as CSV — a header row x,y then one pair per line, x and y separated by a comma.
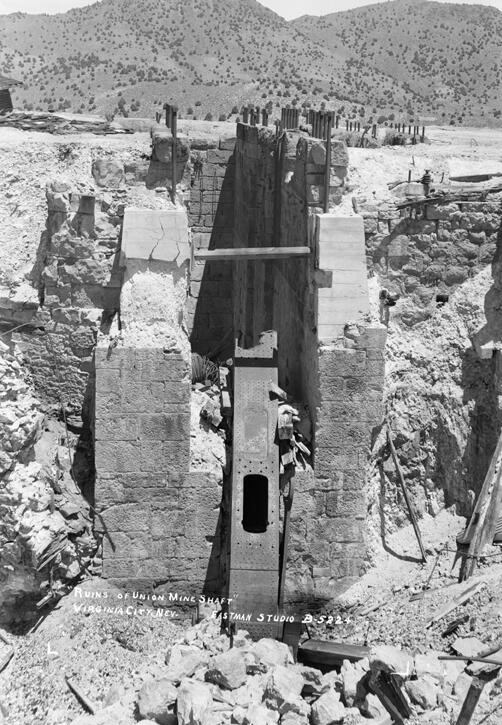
x,y
483,522
241,253
472,698
405,492
83,699
329,654
443,611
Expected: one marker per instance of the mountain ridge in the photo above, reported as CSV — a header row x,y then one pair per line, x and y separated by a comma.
x,y
130,56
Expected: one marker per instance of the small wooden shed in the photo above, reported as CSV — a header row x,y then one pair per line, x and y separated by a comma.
x,y
5,100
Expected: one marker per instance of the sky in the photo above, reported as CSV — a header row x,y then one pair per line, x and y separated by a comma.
x,y
287,8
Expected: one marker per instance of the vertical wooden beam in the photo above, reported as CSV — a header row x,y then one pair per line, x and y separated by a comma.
x,y
174,150
328,164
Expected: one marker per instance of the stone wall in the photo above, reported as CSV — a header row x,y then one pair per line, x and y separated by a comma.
x,y
158,520
431,252
330,357
211,217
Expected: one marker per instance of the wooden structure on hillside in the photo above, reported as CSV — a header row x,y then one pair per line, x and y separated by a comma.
x,y
5,99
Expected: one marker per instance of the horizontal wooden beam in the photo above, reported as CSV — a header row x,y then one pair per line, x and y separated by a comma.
x,y
243,253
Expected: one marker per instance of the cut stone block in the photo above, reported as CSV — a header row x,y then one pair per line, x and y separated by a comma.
x,y
155,234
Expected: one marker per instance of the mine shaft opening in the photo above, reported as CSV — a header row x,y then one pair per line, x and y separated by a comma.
x,y
255,503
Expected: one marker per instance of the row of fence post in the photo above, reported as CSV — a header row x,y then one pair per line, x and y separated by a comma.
x,y
251,115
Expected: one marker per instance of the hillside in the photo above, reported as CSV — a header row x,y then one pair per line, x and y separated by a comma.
x,y
133,55
449,55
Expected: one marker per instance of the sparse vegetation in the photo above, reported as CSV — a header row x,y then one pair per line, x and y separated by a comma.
x,y
384,60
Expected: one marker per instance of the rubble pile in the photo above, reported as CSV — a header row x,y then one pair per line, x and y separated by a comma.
x,y
205,682
208,411
45,524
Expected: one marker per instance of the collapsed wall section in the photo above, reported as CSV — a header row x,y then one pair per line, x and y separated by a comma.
x,y
330,355
157,518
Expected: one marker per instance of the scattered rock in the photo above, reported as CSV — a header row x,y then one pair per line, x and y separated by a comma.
x,y
351,676
260,715
114,694
468,646
461,686
353,717
283,690
371,706
193,703
227,670
183,661
293,718
108,172
423,692
328,710
391,659
270,652
156,700
312,679
116,714
429,664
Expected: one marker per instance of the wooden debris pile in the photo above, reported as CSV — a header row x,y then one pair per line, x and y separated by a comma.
x,y
293,430
53,123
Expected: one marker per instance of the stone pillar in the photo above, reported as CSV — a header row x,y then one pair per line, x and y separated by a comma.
x,y
156,516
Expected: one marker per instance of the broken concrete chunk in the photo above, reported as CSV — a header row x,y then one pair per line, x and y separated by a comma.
x,y
391,659
423,692
351,676
227,670
260,715
328,710
429,664
193,703
270,652
468,646
293,718
183,660
371,707
312,679
283,689
461,686
156,701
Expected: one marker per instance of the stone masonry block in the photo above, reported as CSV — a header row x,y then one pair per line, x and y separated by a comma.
x,y
343,362
329,460
136,544
140,396
159,456
117,456
345,503
171,426
155,234
116,428
349,435
127,517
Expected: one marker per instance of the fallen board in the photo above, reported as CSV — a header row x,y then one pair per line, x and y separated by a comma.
x,y
319,653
